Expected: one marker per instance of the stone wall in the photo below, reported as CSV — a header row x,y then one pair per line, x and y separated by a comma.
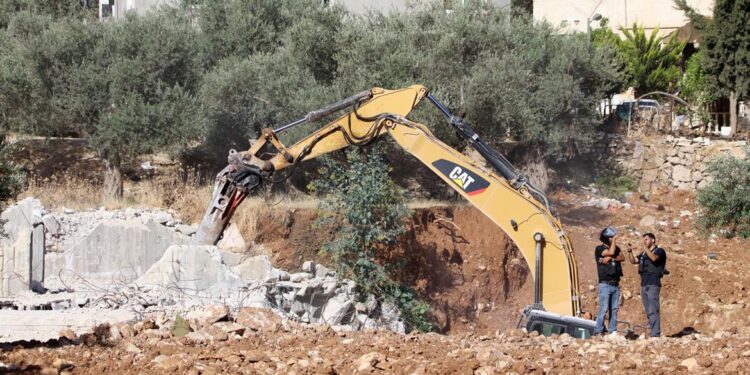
x,y
666,163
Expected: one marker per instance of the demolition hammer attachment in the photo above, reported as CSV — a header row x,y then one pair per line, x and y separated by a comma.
x,y
235,182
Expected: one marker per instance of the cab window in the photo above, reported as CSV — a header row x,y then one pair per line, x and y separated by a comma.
x,y
547,329
581,333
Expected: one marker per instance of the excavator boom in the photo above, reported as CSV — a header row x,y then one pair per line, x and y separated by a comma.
x,y
497,190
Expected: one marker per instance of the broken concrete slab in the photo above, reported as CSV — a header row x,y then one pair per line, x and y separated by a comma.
x,y
52,225
338,309
255,268
36,272
115,252
20,216
321,271
192,269
43,326
231,240
16,264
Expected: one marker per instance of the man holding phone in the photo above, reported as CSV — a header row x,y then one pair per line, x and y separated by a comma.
x,y
608,257
651,263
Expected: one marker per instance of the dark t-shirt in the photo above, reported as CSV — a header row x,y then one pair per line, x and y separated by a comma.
x,y
652,278
611,271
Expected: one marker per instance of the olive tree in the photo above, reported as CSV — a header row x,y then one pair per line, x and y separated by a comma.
x,y
508,75
135,95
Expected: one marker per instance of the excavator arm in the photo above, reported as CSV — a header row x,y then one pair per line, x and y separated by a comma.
x,y
519,209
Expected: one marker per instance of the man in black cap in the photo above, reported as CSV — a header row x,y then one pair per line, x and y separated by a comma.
x,y
608,257
651,266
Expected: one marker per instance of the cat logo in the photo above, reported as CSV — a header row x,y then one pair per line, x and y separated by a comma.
x,y
467,180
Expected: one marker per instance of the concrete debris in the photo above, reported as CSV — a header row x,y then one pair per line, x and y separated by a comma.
x,y
308,266
338,310
231,240
193,269
187,230
322,271
606,203
98,266
23,215
255,269
43,326
114,252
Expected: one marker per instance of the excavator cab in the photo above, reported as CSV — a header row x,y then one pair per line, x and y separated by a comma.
x,y
549,323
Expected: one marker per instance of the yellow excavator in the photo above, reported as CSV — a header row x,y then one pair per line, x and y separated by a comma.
x,y
497,189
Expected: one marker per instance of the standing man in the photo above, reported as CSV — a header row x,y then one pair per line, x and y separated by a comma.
x,y
608,257
651,266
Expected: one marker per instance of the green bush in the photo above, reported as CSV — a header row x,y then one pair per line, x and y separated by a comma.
x,y
367,210
725,202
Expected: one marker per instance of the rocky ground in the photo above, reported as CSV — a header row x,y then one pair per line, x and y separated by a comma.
x,y
255,341
708,288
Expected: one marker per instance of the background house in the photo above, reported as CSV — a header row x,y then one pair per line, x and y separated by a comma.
x,y
574,15
113,9
361,7
117,8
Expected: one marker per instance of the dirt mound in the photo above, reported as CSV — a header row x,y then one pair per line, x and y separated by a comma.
x,y
455,257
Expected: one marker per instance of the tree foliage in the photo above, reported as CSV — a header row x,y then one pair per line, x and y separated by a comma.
x,y
48,8
368,211
725,202
143,73
694,84
127,85
726,46
651,64
506,73
11,180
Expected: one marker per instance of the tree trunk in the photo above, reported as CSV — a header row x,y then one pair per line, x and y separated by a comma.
x,y
112,180
533,165
733,112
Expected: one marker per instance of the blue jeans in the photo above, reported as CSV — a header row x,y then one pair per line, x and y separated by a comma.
x,y
650,298
609,299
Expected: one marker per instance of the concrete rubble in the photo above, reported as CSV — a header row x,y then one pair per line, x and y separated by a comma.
x,y
113,266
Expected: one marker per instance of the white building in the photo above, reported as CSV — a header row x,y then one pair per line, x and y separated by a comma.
x,y
385,6
109,9
113,9
574,15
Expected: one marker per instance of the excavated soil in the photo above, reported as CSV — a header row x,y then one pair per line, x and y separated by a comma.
x,y
476,281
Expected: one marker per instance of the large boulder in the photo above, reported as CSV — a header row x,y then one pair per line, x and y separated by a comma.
x,y
338,310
